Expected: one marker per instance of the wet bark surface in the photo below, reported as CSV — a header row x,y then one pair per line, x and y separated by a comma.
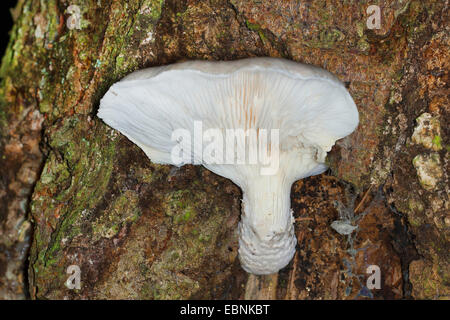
x,y
75,192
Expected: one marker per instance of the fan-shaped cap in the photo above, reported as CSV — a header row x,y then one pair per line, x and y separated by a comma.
x,y
302,101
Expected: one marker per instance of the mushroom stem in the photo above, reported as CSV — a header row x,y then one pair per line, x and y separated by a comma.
x,y
261,287
267,241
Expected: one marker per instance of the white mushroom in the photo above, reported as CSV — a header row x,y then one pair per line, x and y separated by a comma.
x,y
309,106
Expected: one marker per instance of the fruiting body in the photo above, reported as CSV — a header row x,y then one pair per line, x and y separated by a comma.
x,y
302,108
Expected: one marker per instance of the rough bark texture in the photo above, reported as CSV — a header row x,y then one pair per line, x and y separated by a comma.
x,y
75,192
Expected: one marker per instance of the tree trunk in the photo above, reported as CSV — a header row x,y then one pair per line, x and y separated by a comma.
x,y
74,192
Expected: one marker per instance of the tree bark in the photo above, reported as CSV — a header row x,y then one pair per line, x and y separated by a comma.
x,y
74,192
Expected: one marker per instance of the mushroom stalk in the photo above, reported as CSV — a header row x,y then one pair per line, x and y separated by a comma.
x,y
267,241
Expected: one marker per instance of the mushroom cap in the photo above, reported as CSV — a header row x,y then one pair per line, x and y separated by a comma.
x,y
309,105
